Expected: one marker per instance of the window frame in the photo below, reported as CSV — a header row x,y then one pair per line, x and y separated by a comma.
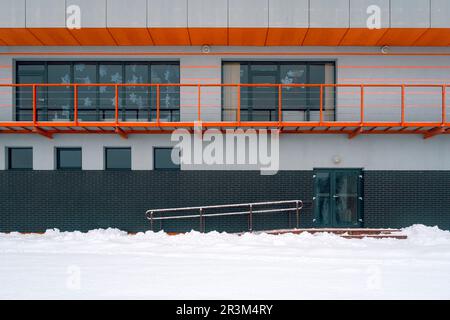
x,y
307,63
105,159
58,158
8,159
174,112
178,168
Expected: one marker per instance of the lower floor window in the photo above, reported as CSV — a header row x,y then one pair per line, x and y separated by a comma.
x,y
20,158
118,158
166,159
68,158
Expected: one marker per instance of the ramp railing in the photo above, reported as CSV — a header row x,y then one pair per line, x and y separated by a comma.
x,y
249,209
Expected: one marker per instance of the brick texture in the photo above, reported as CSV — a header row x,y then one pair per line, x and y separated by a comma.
x,y
38,200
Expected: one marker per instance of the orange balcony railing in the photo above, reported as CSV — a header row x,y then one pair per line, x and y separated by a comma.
x,y
124,109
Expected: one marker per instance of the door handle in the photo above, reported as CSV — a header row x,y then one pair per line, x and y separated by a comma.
x,y
335,196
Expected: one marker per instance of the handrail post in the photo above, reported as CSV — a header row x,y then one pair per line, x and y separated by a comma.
x,y
403,106
250,218
117,104
75,104
151,220
362,106
321,105
444,105
34,105
201,220
297,214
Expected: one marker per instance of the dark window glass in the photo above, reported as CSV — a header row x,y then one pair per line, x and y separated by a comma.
x,y
260,103
59,99
20,158
166,159
169,95
137,99
86,73
98,103
68,158
118,158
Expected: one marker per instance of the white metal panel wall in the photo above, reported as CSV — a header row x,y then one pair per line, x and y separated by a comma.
x,y
359,15
248,13
410,13
127,14
297,152
208,13
329,14
93,12
168,14
288,13
45,14
12,14
440,10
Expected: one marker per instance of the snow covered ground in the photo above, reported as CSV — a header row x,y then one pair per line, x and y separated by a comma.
x,y
109,264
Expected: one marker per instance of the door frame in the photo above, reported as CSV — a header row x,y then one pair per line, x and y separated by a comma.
x,y
332,200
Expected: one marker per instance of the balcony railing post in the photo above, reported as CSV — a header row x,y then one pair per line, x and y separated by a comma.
x,y
280,102
199,98
34,105
238,104
403,106
444,105
321,105
297,214
75,104
117,104
362,105
158,103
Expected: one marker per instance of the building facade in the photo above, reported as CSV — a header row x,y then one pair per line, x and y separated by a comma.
x,y
87,114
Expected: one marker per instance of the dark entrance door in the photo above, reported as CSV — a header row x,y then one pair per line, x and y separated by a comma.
x,y
338,198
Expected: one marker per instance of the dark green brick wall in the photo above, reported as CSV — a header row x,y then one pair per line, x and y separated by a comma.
x,y
38,200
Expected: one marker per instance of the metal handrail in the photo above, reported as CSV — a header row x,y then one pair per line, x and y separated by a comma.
x,y
150,214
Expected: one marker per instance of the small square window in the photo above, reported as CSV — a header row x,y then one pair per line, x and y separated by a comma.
x,y
118,158
20,158
68,158
163,160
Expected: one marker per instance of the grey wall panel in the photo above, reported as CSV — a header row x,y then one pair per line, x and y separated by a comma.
x,y
163,13
359,15
440,14
248,13
289,13
297,152
93,12
208,13
410,13
127,14
12,14
329,13
45,14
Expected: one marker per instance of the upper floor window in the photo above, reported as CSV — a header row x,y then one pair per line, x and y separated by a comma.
x,y
68,159
261,103
97,103
20,158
